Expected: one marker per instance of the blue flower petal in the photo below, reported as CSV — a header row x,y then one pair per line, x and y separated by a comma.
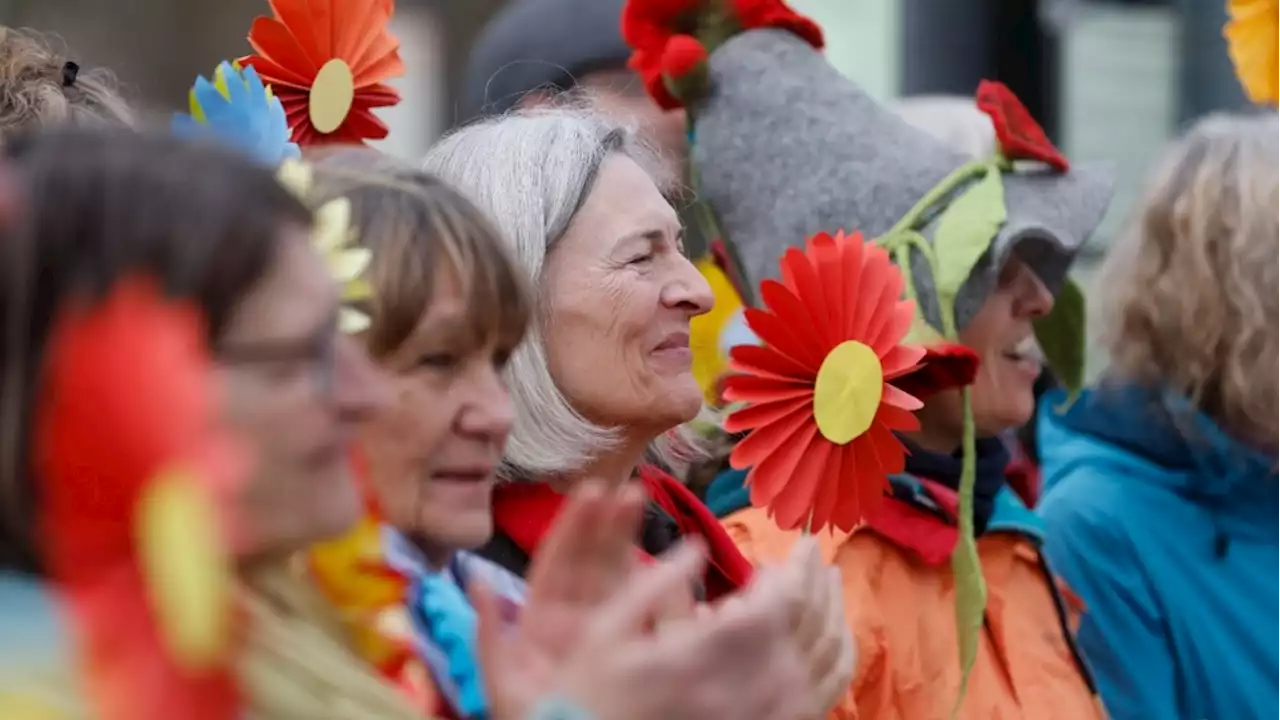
x,y
245,118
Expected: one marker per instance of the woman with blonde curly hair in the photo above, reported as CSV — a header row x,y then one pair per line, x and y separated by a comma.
x,y
41,85
1162,481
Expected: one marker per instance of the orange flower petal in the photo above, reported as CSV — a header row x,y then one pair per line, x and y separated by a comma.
x,y
271,40
765,361
807,341
757,415
794,503
802,280
898,398
779,336
776,468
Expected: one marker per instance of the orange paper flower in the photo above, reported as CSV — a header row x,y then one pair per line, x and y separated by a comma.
x,y
1252,33
819,407
327,61
354,576
131,469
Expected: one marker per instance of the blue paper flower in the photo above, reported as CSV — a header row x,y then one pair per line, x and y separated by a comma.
x,y
451,624
237,109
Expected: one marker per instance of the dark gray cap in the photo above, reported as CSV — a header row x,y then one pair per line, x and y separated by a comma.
x,y
533,44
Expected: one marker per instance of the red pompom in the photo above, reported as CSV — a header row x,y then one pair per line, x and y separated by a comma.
x,y
682,55
1019,135
753,14
648,65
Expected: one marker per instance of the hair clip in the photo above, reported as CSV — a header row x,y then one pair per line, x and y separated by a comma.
x,y
69,72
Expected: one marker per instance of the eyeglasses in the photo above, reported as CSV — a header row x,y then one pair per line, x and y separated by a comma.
x,y
315,356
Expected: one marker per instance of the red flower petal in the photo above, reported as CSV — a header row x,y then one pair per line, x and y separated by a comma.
x,y
1020,137
764,361
945,367
759,415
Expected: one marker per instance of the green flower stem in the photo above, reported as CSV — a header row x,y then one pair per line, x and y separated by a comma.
x,y
966,566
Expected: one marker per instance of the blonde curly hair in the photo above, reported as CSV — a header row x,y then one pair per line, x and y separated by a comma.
x,y
1190,291
33,93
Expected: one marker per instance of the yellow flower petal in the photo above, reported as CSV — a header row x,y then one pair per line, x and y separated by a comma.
x,y
709,363
186,570
352,321
356,289
1254,47
349,264
296,176
333,225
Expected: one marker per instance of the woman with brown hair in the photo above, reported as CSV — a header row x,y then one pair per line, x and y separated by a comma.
x,y
99,207
447,311
1161,482
43,86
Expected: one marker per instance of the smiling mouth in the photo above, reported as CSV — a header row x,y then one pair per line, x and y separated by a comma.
x,y
1027,351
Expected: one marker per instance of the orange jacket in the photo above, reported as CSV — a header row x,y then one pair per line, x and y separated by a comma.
x,y
899,602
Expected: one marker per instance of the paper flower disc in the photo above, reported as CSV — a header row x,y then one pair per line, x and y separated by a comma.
x,y
179,533
847,392
332,95
818,404
328,61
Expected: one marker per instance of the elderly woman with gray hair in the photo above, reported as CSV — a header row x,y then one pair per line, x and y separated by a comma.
x,y
602,384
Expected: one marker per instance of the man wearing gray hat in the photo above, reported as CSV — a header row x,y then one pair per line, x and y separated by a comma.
x,y
535,51
532,51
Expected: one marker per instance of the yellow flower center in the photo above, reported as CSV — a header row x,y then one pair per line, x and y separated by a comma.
x,y
847,392
186,572
332,94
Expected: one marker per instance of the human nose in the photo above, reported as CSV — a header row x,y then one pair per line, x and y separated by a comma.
x,y
688,290
1033,299
488,411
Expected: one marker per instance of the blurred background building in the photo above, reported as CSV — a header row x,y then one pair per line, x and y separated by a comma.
x,y
1109,79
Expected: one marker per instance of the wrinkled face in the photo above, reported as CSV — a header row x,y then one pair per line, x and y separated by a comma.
x,y
432,456
296,389
1002,334
618,295
621,95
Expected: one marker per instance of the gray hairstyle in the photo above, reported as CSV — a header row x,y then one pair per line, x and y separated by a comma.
x,y
530,171
951,119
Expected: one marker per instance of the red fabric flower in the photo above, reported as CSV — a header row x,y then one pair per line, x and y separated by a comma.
x,y
682,54
650,26
1019,135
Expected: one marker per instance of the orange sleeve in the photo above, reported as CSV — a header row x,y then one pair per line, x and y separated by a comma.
x,y
871,693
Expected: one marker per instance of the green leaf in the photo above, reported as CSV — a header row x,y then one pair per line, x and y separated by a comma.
x,y
966,567
965,231
1061,335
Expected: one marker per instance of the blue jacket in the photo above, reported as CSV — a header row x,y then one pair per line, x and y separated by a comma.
x,y
1170,538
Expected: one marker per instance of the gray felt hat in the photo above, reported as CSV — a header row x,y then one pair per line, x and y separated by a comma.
x,y
541,44
787,147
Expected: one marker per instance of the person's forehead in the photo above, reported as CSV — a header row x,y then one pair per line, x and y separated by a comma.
x,y
296,295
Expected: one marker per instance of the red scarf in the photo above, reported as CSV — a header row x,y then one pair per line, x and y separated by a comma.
x,y
524,512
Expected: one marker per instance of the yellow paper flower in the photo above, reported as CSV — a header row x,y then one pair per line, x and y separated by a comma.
x,y
1252,42
333,237
709,360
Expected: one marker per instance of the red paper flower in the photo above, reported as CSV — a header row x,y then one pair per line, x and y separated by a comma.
x,y
131,469
648,26
1020,137
327,61
945,367
820,409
